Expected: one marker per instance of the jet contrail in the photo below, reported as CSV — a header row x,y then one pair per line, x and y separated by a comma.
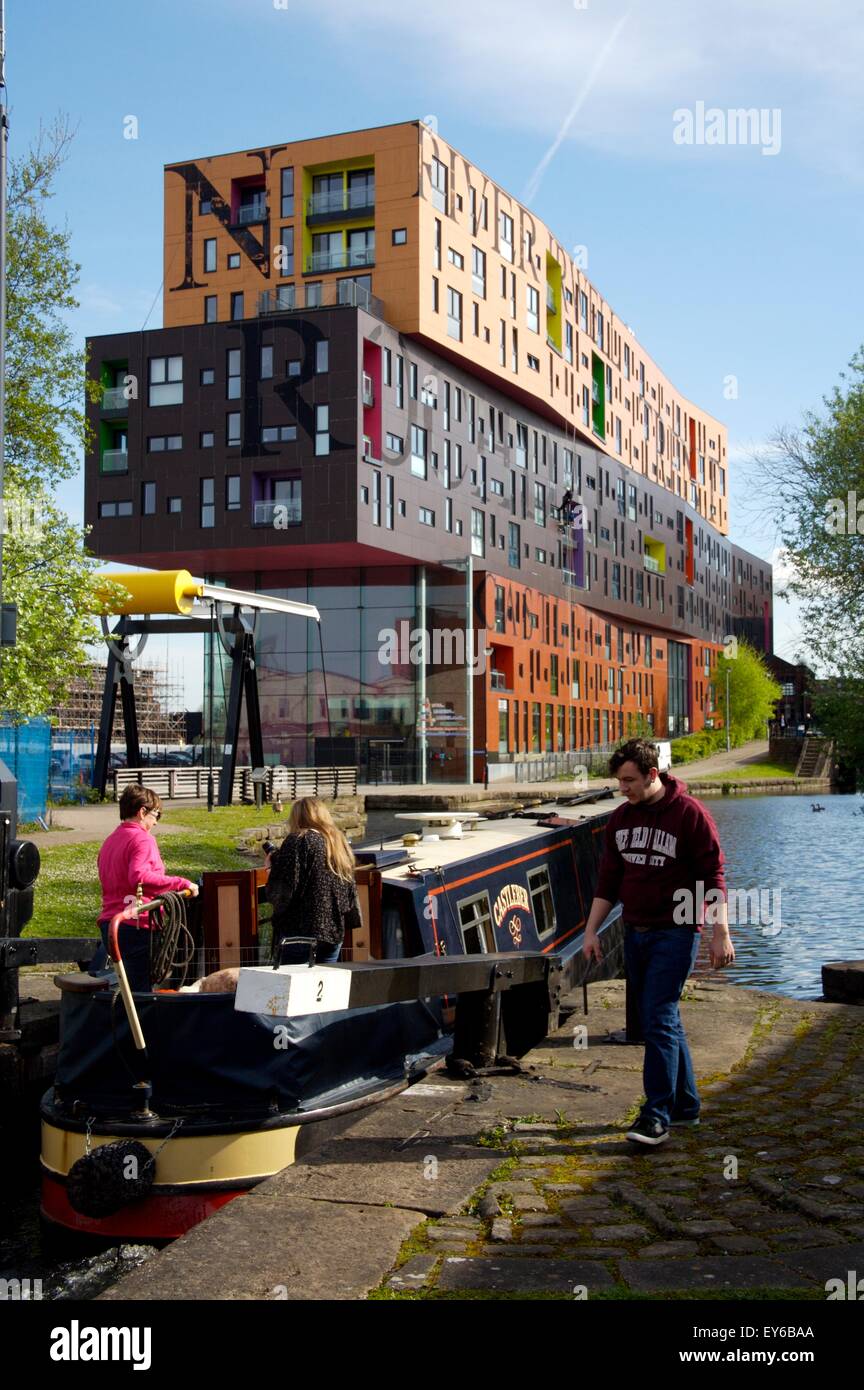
x,y
534,181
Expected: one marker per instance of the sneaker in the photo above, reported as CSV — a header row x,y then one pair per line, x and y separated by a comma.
x,y
648,1132
684,1123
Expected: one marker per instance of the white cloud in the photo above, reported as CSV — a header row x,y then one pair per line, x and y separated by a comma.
x,y
523,67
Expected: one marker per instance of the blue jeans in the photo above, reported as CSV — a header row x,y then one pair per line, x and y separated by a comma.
x,y
325,954
134,943
658,963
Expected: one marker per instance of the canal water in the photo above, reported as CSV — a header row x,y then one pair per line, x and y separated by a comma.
x,y
808,869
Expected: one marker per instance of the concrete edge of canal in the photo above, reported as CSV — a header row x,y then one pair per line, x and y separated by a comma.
x,y
336,1225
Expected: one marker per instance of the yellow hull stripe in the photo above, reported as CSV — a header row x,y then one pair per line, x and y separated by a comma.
x,y
191,1160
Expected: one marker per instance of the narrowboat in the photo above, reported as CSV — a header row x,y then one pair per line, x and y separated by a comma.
x,y
193,1101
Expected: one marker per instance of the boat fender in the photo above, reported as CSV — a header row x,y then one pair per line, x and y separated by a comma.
x,y
110,1177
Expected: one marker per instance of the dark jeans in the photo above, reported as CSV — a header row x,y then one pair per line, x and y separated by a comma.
x,y
135,952
658,963
325,953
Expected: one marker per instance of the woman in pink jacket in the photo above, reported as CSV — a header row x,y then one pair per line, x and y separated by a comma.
x,y
129,857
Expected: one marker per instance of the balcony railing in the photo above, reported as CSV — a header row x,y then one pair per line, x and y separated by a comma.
x,y
115,461
277,514
350,258
350,200
651,565
114,398
330,294
499,680
251,212
368,390
550,300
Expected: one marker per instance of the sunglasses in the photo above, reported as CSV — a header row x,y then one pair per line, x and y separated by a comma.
x,y
157,814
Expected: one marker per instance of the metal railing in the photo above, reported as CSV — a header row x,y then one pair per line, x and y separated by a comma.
x,y
277,513
115,398
254,212
341,200
339,294
115,461
650,564
349,258
179,783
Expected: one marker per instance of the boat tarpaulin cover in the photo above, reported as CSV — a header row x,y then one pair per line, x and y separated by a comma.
x,y
202,1053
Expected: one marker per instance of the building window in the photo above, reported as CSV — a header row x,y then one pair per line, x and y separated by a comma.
x,y
400,382
455,258
435,294
376,498
478,271
322,355
208,507
287,193
175,505
427,516
237,305
278,434
322,430
232,427
166,381
209,254
234,261
266,363
534,363
208,376
160,443
234,386
419,445
454,314
533,311
505,236
232,492
399,236
478,532
148,499
206,439
395,443
284,253
112,509
388,503
211,308
438,178
583,311
568,342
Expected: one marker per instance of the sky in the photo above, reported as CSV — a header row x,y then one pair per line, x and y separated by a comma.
x,y
737,265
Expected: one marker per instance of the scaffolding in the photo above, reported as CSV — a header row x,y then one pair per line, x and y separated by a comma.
x,y
159,700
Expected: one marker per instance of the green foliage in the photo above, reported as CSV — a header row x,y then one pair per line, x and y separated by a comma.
x,y
693,747
813,480
46,570
753,693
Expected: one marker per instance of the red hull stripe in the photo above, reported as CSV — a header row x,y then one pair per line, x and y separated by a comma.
x,y
154,1218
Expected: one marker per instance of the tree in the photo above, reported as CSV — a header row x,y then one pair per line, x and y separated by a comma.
x,y
813,481
46,569
753,692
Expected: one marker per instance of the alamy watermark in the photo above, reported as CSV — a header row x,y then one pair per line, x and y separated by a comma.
x,y
442,646
759,907
736,126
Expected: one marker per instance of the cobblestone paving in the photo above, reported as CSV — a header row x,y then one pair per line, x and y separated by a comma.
x,y
767,1194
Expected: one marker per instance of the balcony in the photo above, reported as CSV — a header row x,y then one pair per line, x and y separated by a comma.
x,y
251,212
277,514
342,204
331,294
346,259
651,565
551,306
114,399
115,461
368,390
499,680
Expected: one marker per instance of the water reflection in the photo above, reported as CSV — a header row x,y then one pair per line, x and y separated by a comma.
x,y
814,863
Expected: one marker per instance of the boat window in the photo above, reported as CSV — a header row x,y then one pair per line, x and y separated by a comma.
x,y
475,923
542,903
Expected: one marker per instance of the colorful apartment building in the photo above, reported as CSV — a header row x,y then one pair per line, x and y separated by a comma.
x,y
385,387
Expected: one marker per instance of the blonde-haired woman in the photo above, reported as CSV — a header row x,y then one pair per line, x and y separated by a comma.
x,y
311,884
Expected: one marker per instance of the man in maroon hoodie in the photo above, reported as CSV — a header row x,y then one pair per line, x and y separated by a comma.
x,y
663,862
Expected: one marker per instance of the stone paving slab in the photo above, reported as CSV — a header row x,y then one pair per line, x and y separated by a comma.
x,y
712,1272
524,1276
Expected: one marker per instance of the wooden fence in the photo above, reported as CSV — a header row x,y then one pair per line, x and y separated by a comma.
x,y
179,783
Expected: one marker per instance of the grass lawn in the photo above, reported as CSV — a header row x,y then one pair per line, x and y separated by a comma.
x,y
68,897
752,772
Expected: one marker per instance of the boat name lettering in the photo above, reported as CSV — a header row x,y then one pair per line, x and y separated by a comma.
x,y
511,895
